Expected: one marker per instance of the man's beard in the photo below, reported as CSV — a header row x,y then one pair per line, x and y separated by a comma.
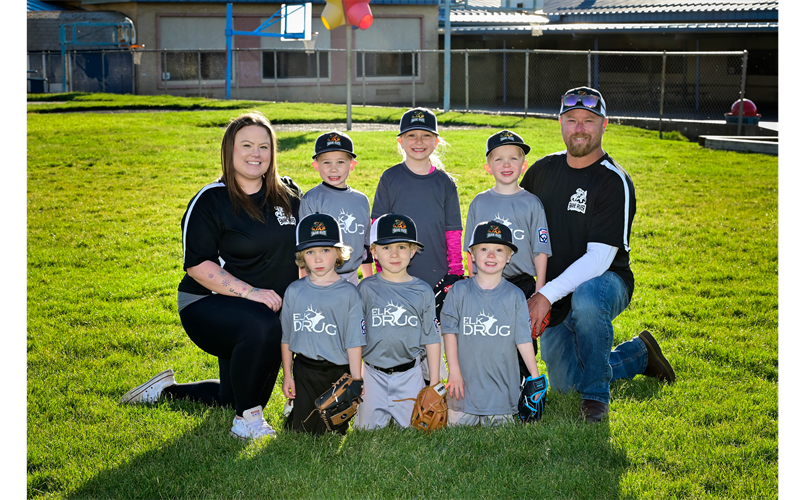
x,y
582,150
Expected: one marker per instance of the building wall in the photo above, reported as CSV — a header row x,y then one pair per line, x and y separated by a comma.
x,y
175,25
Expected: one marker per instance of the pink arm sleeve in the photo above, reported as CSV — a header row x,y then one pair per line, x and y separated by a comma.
x,y
455,262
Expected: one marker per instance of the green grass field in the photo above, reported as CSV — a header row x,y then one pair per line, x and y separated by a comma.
x,y
105,196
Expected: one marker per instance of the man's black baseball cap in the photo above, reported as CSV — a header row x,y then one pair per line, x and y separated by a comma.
x,y
418,119
394,228
584,98
333,141
318,230
492,231
505,138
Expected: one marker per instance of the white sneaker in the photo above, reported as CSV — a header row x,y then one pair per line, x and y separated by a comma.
x,y
252,425
150,391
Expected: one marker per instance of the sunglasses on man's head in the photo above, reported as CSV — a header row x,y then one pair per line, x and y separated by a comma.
x,y
587,100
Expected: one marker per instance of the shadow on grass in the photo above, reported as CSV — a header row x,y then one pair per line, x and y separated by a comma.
x,y
559,457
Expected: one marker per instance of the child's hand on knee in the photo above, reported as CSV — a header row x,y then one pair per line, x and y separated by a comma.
x,y
289,387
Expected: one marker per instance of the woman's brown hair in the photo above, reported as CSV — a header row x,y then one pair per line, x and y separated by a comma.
x,y
276,192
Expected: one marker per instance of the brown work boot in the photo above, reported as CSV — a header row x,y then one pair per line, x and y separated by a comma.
x,y
593,411
657,366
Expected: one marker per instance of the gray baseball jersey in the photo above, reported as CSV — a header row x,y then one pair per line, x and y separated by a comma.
x,y
431,200
488,324
521,212
351,209
322,322
400,320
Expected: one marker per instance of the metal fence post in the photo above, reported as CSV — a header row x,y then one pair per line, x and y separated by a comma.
x,y
743,88
349,78
276,89
45,74
363,74
466,80
318,74
103,71
525,88
447,36
133,74
198,53
164,70
589,69
236,69
662,91
413,79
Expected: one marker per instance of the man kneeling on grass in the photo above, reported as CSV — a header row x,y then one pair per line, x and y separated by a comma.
x,y
589,201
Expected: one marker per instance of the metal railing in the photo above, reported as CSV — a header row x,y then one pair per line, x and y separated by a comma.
x,y
680,85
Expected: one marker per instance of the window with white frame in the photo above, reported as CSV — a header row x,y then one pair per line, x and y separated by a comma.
x,y
297,64
389,34
196,48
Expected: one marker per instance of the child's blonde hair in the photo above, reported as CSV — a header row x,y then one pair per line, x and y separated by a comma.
x,y
343,256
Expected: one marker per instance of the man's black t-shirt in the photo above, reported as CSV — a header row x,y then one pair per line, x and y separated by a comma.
x,y
260,253
595,204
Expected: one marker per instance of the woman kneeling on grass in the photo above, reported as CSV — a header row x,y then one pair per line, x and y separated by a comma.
x,y
245,222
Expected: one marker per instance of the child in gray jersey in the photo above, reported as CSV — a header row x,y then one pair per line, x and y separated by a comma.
x,y
485,322
334,159
322,323
517,209
400,314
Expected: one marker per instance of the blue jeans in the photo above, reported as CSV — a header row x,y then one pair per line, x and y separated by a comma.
x,y
578,352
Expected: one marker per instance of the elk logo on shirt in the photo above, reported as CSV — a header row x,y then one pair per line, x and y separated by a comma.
x,y
393,315
484,325
312,321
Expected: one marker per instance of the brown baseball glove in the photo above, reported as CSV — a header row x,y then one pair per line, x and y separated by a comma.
x,y
430,408
340,402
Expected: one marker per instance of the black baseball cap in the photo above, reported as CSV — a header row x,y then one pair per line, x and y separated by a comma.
x,y
584,98
492,231
318,230
505,138
394,228
418,119
333,141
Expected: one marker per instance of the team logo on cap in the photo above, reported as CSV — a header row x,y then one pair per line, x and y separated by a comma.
x,y
399,227
418,116
506,136
334,140
494,232
318,229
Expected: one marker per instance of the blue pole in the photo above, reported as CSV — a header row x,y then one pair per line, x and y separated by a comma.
x,y
228,49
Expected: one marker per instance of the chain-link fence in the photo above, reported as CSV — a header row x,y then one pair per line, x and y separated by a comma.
x,y
684,85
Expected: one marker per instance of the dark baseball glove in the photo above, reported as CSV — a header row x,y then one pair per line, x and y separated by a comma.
x,y
430,408
441,289
340,402
532,399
